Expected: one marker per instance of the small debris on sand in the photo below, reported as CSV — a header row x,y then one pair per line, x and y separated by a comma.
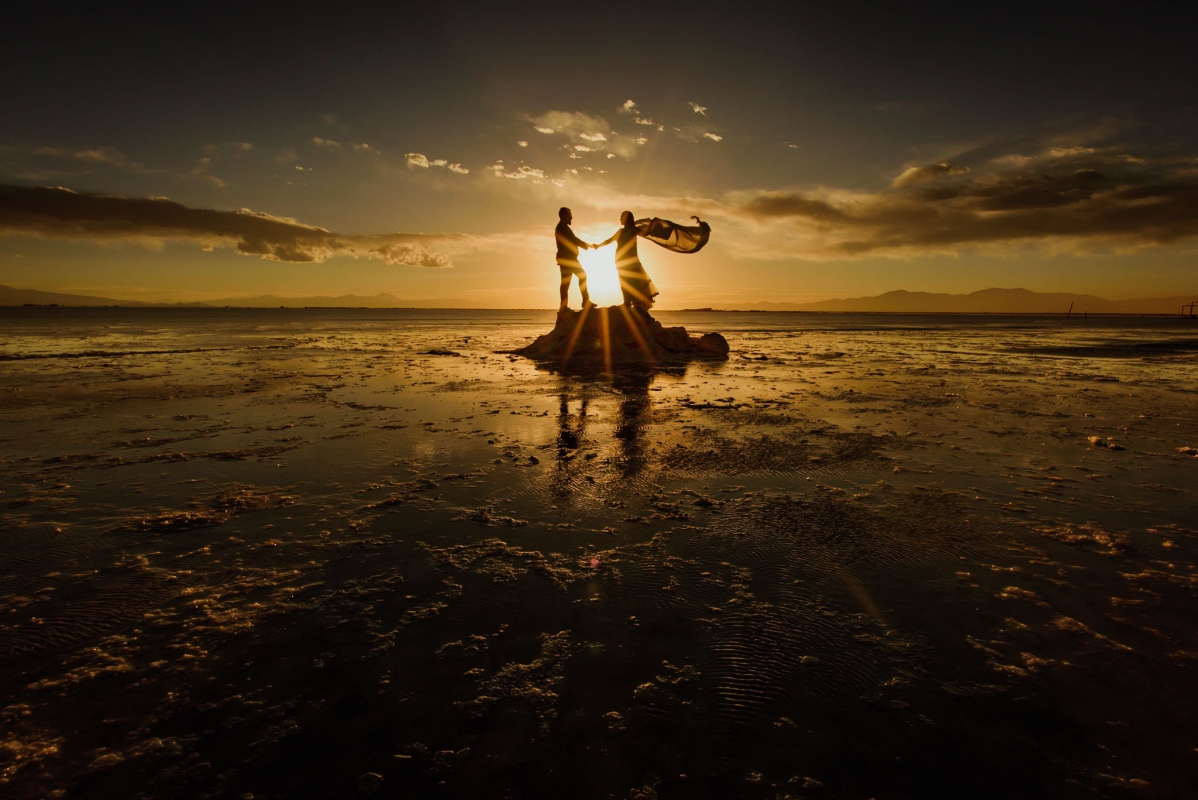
x,y
369,783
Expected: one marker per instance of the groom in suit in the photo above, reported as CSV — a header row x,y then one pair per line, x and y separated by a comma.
x,y
568,246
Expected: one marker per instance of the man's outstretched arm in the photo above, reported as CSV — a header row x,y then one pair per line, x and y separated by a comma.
x,y
568,235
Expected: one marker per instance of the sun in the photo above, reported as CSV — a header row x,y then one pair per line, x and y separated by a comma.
x,y
602,281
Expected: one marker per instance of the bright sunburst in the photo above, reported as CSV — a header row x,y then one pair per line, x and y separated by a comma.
x,y
602,281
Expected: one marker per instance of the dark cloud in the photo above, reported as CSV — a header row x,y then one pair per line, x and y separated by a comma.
x,y
792,204
58,212
1089,200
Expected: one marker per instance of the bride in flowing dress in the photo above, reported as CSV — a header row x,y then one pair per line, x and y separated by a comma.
x,y
635,285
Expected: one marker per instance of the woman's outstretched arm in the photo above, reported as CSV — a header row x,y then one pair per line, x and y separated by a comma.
x,y
607,241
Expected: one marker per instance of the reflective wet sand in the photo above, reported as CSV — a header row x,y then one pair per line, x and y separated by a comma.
x,y
296,554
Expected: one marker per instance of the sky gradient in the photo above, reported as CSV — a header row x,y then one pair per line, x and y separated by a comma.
x,y
167,154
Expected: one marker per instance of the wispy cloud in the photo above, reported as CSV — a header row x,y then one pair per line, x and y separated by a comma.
x,y
231,147
914,175
111,157
524,172
326,144
200,170
578,128
61,213
630,108
698,109
695,133
106,156
421,161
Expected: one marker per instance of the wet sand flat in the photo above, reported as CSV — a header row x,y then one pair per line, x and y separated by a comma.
x,y
288,553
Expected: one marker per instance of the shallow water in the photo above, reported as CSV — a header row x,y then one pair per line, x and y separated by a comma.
x,y
290,554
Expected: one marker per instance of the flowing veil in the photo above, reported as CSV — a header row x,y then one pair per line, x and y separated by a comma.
x,y
672,236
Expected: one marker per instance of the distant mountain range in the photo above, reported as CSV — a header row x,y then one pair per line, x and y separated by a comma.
x,y
317,301
986,301
10,296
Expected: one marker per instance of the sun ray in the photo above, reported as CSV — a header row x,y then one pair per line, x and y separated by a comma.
x,y
632,321
582,318
606,340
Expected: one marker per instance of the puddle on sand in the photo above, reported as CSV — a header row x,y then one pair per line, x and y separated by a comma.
x,y
285,553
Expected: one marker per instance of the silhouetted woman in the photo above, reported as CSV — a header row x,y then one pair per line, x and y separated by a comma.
x,y
635,285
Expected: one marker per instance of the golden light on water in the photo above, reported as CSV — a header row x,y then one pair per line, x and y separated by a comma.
x,y
602,281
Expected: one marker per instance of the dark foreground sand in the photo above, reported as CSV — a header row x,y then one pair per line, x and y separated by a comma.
x,y
290,554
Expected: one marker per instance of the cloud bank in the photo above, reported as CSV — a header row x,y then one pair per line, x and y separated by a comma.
x,y
61,213
1075,199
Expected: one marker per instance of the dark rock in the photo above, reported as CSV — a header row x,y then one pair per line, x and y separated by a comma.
x,y
369,783
619,335
712,343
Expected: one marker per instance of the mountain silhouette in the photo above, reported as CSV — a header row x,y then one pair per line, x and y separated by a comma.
x,y
987,301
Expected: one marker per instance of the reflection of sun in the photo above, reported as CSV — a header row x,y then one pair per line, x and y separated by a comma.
x,y
602,282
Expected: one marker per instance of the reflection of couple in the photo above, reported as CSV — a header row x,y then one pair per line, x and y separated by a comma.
x,y
632,427
635,285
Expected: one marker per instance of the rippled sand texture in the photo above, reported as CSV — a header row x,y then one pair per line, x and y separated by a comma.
x,y
293,554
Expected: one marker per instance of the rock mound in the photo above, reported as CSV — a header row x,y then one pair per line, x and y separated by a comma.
x,y
620,335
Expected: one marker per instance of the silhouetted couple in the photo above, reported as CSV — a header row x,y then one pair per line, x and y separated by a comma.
x,y
635,285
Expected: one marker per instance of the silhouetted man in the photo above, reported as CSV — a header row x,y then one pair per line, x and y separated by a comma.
x,y
568,246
